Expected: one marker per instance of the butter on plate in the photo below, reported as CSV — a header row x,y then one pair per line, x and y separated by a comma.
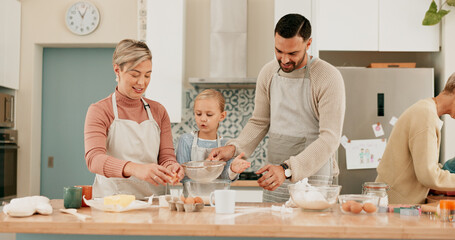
x,y
121,199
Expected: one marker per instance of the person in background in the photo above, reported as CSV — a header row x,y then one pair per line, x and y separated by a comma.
x,y
196,146
410,163
300,102
128,138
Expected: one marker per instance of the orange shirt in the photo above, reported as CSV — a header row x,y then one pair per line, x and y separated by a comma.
x,y
98,120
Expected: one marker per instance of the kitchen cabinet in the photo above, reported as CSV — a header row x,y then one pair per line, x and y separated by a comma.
x,y
10,38
303,7
348,25
401,28
375,25
166,41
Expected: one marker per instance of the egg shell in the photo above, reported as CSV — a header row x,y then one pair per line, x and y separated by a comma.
x,y
356,208
369,207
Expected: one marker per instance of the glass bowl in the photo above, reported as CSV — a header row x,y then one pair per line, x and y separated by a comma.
x,y
358,203
203,171
314,198
203,189
320,180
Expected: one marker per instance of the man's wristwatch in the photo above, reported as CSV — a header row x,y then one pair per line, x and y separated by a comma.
x,y
287,170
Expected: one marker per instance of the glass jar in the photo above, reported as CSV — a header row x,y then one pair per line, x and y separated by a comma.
x,y
377,189
447,210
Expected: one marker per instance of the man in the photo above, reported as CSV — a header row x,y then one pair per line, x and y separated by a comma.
x,y
300,102
410,161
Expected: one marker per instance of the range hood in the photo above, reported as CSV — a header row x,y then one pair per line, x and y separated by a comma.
x,y
228,45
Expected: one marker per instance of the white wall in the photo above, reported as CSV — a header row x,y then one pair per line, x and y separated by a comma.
x,y
448,67
43,25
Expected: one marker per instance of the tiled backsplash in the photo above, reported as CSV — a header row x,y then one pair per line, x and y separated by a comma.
x,y
239,107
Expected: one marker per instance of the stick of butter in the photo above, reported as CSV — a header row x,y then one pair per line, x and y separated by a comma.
x,y
121,199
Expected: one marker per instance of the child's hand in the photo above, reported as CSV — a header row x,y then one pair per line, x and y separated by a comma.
x,y
239,165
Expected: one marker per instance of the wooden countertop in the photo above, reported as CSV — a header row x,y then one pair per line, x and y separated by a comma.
x,y
245,183
250,220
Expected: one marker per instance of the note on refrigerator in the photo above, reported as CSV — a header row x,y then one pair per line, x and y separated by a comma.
x,y
393,120
363,154
377,129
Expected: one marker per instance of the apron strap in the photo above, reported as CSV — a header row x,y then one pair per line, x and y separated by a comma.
x,y
147,108
114,106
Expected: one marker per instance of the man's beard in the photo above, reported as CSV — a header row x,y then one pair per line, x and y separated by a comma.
x,y
293,64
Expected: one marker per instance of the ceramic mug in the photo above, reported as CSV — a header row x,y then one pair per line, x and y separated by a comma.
x,y
72,197
224,201
87,192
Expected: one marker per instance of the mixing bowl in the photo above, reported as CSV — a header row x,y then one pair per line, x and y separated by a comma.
x,y
320,180
314,198
203,171
203,189
358,203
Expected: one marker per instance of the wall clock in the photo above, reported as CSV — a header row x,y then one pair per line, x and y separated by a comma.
x,y
82,18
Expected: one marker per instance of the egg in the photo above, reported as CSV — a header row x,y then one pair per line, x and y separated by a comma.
x,y
182,198
346,206
198,200
369,207
189,200
356,208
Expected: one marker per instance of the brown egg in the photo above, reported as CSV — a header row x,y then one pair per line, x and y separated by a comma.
x,y
182,198
198,200
189,200
346,206
369,207
356,208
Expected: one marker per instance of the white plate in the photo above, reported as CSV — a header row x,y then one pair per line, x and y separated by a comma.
x,y
99,205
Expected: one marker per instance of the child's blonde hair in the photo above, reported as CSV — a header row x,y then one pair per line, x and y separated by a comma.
x,y
211,93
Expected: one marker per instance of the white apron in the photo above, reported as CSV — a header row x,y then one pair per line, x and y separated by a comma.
x,y
200,153
135,142
293,126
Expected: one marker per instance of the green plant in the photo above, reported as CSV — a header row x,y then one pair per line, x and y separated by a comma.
x,y
433,16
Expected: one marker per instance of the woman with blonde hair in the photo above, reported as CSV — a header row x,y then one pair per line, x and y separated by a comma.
x,y
128,138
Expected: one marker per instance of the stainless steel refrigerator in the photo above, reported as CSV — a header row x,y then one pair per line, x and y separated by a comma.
x,y
376,95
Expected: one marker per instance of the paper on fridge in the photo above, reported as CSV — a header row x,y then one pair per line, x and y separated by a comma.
x,y
393,120
363,154
378,130
344,141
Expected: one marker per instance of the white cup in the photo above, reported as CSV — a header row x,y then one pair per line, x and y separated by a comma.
x,y
224,201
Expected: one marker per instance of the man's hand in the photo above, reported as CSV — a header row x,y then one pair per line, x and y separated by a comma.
x,y
222,153
152,172
273,178
239,165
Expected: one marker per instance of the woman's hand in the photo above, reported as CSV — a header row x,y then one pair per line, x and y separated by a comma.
x,y
152,172
177,173
239,165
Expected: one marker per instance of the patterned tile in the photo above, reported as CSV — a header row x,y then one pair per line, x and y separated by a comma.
x,y
239,106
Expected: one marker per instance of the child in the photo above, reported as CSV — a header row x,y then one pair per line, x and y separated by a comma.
x,y
196,146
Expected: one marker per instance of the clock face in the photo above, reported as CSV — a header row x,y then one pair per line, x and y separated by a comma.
x,y
82,18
